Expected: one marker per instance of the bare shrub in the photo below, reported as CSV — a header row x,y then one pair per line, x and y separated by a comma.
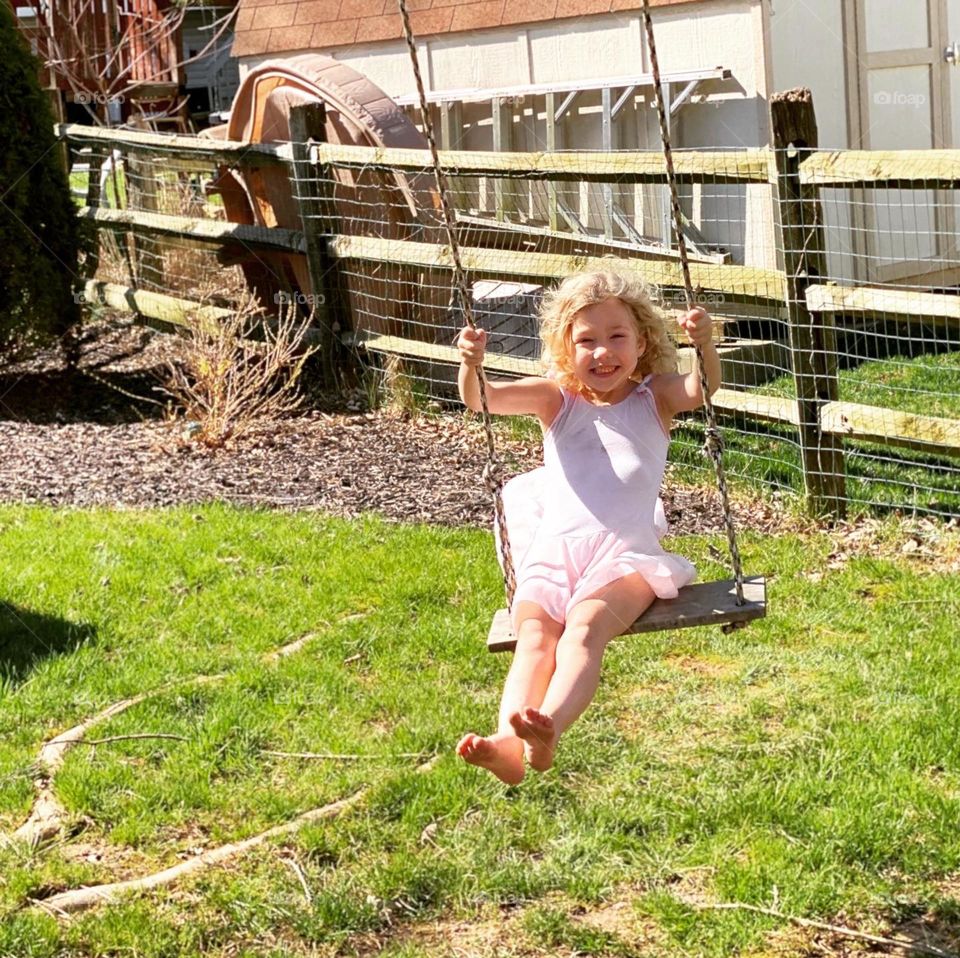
x,y
186,270
236,371
398,387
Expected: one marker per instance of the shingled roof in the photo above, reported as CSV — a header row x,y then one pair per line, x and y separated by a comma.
x,y
275,26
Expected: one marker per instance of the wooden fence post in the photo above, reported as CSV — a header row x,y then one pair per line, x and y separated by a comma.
x,y
812,337
308,122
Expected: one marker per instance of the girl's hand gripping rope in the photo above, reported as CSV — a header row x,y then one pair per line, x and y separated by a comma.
x,y
685,391
698,326
472,344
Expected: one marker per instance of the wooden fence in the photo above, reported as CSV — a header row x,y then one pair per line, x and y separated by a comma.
x,y
821,420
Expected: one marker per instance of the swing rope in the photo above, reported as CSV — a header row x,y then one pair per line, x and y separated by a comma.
x,y
492,474
713,445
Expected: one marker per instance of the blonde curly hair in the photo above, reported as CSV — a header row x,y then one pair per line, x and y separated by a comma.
x,y
561,305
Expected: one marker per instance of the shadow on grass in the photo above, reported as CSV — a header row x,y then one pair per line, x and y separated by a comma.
x,y
27,638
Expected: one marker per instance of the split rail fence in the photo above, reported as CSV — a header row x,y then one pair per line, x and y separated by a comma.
x,y
837,380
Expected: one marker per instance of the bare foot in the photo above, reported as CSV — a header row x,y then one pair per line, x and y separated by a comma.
x,y
501,754
539,738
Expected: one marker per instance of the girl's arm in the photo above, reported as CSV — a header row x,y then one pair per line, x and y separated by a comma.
x,y
530,396
682,392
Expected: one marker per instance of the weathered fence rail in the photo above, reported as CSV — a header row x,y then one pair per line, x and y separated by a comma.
x,y
694,166
907,305
918,169
176,146
194,230
742,281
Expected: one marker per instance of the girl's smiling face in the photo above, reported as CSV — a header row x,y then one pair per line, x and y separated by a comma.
x,y
606,347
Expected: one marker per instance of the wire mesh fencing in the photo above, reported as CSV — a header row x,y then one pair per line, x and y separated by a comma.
x,y
148,207
520,230
883,293
832,279
840,378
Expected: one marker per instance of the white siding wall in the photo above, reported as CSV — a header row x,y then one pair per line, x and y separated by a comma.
x,y
217,71
807,49
690,36
733,113
953,116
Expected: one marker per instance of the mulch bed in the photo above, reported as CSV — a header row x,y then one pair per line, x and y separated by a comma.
x,y
85,441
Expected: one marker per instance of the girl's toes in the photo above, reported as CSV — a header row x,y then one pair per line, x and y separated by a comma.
x,y
539,722
535,715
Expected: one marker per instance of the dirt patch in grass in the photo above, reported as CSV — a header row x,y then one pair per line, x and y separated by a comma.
x,y
924,932
704,668
619,918
923,541
487,937
949,887
501,933
112,862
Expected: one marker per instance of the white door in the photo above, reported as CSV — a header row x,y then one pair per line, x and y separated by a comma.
x,y
904,105
951,58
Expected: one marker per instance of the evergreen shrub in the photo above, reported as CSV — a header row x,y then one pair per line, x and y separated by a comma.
x,y
39,234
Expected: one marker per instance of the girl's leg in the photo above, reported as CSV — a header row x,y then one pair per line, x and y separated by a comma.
x,y
526,684
592,623
534,660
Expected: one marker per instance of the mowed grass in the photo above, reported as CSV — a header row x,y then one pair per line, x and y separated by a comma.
x,y
877,476
810,763
927,385
877,479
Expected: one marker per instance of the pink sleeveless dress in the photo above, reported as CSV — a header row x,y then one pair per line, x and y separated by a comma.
x,y
591,514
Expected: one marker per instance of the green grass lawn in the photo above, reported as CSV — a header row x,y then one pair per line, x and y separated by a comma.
x,y
878,478
171,192
925,385
888,477
115,186
809,764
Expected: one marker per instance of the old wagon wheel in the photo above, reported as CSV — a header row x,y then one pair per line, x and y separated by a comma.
x,y
381,297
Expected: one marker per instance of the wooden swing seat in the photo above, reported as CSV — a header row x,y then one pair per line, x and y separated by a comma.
x,y
703,603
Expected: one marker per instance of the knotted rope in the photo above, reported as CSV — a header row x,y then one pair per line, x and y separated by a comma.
x,y
713,445
492,475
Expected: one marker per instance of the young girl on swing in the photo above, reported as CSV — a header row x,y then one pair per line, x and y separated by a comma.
x,y
593,563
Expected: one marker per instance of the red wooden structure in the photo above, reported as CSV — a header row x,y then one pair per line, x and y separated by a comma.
x,y
103,52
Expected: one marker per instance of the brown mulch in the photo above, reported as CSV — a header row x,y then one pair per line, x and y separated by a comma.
x,y
425,469
85,442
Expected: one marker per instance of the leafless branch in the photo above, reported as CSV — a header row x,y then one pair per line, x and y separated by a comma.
x,y
346,757
126,738
917,947
96,72
240,370
294,866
